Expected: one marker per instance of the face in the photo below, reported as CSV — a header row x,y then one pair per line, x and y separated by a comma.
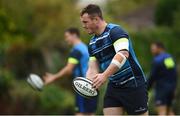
x,y
154,49
69,38
89,24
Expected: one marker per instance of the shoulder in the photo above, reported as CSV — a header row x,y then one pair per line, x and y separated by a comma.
x,y
167,55
111,25
84,45
76,53
83,48
160,58
117,32
75,49
118,29
115,26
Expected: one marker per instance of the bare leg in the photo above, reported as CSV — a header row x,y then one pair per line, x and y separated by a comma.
x,y
85,114
113,111
79,114
162,110
145,114
170,111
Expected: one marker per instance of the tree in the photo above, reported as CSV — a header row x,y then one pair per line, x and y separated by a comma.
x,y
165,10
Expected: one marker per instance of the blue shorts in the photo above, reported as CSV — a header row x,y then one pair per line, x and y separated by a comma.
x,y
164,96
133,100
85,105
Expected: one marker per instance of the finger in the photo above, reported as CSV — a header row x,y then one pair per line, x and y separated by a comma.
x,y
95,85
95,77
95,80
98,85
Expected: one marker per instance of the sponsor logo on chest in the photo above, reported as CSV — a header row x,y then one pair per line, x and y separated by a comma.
x,y
99,38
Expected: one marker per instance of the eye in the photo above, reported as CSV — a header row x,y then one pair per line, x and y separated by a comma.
x,y
84,21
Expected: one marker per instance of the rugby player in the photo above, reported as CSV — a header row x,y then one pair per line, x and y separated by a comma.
x,y
77,65
112,54
164,76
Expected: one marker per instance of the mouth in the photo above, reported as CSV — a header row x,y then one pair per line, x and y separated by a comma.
x,y
87,29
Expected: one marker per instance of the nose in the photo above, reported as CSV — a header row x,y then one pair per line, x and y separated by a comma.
x,y
84,26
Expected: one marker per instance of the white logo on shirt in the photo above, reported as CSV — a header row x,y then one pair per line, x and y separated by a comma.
x,y
99,38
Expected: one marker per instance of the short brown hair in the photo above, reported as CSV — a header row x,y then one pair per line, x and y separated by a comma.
x,y
159,44
93,10
73,30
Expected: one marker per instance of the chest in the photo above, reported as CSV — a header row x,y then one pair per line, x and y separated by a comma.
x,y
102,47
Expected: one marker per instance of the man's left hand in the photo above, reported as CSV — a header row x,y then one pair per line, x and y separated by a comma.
x,y
99,80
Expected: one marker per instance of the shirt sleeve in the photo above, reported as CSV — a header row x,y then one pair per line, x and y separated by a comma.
x,y
120,39
91,57
74,57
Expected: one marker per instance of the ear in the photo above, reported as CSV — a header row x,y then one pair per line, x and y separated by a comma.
x,y
96,19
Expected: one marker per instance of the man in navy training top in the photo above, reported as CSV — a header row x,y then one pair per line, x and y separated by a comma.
x,y
111,53
77,65
164,76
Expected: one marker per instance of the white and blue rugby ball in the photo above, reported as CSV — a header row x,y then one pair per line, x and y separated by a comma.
x,y
83,86
35,82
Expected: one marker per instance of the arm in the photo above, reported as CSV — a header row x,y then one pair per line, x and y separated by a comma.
x,y
93,68
117,62
113,67
121,47
67,70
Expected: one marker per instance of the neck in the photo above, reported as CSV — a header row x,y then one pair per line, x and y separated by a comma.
x,y
161,52
77,41
101,28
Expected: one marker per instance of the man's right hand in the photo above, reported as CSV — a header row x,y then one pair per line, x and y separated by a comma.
x,y
48,78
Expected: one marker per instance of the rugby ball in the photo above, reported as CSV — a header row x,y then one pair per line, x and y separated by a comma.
x,y
35,81
83,86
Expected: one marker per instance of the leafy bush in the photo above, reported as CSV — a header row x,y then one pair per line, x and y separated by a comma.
x,y
6,79
52,100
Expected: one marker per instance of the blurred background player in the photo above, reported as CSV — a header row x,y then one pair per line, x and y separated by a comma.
x,y
77,65
164,76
